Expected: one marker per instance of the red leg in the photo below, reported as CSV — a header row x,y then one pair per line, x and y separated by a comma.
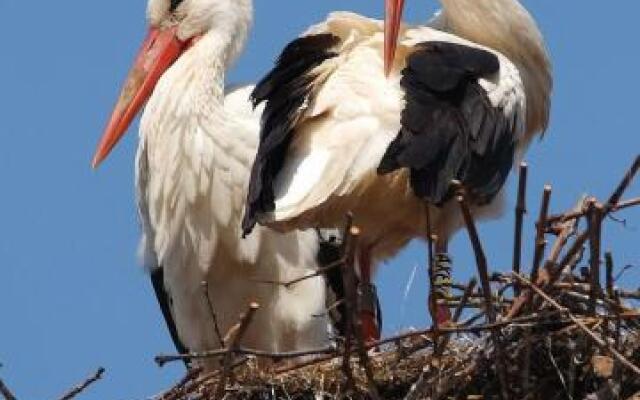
x,y
367,298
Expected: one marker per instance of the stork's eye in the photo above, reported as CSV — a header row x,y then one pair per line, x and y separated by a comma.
x,y
174,5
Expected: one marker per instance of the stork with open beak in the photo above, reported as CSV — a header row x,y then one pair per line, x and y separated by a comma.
x,y
192,165
379,118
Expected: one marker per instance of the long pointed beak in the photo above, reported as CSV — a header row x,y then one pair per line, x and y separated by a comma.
x,y
392,22
159,51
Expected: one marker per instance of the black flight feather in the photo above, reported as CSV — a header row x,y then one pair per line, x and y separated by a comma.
x,y
174,5
450,130
285,90
157,280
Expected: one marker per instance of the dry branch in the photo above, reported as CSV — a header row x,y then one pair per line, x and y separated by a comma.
x,y
212,313
540,243
613,204
84,385
5,392
596,213
483,271
236,338
521,210
609,274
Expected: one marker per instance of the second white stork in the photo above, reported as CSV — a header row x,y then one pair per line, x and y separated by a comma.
x,y
192,166
463,97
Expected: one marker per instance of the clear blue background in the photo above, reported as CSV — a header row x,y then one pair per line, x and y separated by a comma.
x,y
72,297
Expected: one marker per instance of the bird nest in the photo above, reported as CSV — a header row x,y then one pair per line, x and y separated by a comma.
x,y
551,360
565,330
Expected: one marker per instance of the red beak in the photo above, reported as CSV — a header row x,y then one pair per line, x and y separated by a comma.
x,y
392,22
160,50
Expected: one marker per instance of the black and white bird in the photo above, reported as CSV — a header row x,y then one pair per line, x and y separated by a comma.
x,y
379,118
192,167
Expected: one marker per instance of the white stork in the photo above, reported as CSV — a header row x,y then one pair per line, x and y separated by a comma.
x,y
192,166
461,100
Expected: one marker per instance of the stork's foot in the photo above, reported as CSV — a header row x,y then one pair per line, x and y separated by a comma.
x,y
370,312
441,290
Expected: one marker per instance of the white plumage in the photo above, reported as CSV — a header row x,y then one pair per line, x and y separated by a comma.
x,y
357,132
352,115
191,186
192,166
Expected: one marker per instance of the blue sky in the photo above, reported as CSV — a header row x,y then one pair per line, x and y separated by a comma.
x,y
72,297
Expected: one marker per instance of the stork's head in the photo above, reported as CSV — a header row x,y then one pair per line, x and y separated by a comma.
x,y
174,27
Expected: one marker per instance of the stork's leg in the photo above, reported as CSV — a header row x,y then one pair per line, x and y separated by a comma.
x,y
329,253
368,304
157,280
441,282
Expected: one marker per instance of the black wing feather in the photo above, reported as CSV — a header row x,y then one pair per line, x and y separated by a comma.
x,y
450,130
157,280
174,4
285,90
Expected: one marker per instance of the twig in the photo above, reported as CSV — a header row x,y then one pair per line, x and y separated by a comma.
x,y
245,321
610,294
618,322
329,309
481,260
623,205
319,272
565,231
474,296
162,360
624,294
596,214
597,340
350,297
610,281
214,317
431,265
430,251
84,385
457,314
540,241
521,210
527,296
557,368
483,271
569,256
613,204
472,303
626,204
6,393
623,185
